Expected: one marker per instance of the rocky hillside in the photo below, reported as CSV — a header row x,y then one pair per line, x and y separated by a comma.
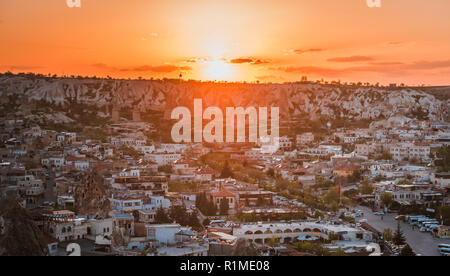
x,y
295,100
19,235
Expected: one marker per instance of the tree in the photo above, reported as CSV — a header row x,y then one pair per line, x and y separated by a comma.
x,y
443,159
385,156
274,242
226,171
129,151
161,216
261,202
445,213
366,188
407,251
224,206
399,238
387,199
207,207
166,169
388,235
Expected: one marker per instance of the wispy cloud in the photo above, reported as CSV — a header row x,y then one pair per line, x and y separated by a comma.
x,y
426,65
374,67
144,68
304,51
246,60
351,59
252,61
386,63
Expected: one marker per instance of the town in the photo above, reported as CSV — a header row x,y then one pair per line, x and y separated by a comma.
x,y
213,132
113,185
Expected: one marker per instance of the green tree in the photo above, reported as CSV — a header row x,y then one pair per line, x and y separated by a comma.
x,y
224,206
226,171
270,172
399,238
443,159
366,188
161,216
166,169
387,199
274,242
407,251
445,213
385,156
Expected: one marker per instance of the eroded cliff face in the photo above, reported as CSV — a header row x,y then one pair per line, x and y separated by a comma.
x,y
91,197
295,100
19,235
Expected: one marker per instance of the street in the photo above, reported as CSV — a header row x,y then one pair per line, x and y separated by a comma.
x,y
422,243
50,185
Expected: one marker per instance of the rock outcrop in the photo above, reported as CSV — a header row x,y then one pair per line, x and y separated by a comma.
x,y
91,197
309,100
19,235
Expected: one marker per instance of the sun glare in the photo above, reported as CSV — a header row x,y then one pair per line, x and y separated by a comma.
x,y
218,70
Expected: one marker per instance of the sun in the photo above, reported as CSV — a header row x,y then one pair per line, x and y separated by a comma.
x,y
218,70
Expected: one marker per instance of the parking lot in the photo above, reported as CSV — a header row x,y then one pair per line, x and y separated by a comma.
x,y
422,243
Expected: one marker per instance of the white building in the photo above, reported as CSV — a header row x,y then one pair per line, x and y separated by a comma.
x,y
254,154
285,143
406,151
164,234
288,232
163,159
304,139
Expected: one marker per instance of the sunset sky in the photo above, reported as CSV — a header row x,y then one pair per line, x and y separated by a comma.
x,y
404,41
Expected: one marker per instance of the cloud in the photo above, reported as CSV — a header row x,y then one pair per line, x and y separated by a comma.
x,y
196,60
304,51
156,69
252,61
246,60
387,68
144,68
427,65
386,63
350,59
259,62
241,60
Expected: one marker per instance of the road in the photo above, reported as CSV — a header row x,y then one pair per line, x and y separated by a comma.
x,y
422,243
50,185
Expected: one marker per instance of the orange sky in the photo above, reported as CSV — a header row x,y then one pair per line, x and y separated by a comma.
x,y
268,40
